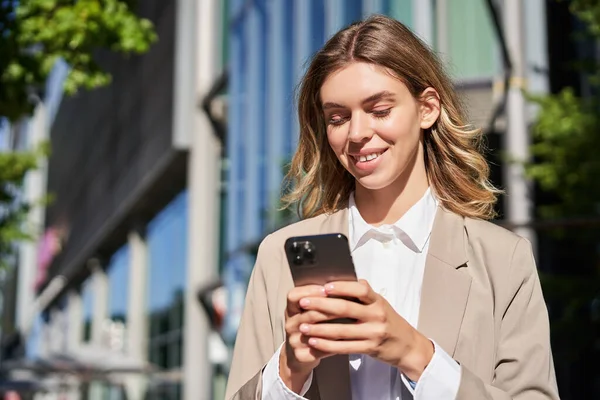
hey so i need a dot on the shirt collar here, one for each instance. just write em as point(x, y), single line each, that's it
point(413, 229)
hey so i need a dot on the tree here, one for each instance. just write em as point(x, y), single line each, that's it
point(567, 135)
point(567, 138)
point(13, 167)
point(34, 34)
point(566, 167)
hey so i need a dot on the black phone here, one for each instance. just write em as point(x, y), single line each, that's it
point(320, 259)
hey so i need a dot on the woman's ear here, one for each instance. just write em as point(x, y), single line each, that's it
point(429, 109)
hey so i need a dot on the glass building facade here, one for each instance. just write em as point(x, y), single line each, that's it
point(472, 52)
point(167, 241)
point(166, 244)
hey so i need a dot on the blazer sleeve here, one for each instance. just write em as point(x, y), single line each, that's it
point(524, 367)
point(254, 342)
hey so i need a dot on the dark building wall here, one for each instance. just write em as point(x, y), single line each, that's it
point(109, 146)
point(562, 46)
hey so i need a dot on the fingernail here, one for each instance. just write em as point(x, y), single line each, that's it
point(304, 302)
point(304, 328)
point(329, 286)
point(312, 341)
point(323, 290)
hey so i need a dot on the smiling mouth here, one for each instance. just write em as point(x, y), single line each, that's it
point(367, 157)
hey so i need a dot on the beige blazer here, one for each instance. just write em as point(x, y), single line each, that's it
point(481, 302)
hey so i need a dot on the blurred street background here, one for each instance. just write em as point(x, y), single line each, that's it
point(143, 145)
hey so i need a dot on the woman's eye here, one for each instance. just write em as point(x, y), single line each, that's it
point(336, 120)
point(381, 113)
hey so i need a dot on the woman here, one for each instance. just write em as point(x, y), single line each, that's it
point(451, 305)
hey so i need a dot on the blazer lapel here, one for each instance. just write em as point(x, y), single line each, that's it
point(333, 371)
point(445, 288)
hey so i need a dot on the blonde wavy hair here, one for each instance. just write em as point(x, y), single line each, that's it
point(317, 182)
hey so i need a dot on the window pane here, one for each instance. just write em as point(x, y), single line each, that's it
point(402, 10)
point(317, 30)
point(165, 325)
point(175, 352)
point(167, 253)
point(88, 304)
point(118, 281)
point(471, 41)
point(353, 11)
point(163, 356)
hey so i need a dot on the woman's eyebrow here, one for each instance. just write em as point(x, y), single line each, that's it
point(330, 105)
point(384, 94)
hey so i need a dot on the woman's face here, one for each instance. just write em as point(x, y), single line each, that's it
point(374, 124)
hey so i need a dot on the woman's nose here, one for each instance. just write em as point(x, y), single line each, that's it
point(359, 127)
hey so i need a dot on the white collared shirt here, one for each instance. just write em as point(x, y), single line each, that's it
point(392, 259)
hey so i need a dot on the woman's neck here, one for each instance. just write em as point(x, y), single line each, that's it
point(389, 204)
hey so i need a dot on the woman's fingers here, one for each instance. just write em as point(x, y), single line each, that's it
point(308, 317)
point(360, 290)
point(302, 351)
point(341, 346)
point(355, 331)
point(336, 308)
point(300, 292)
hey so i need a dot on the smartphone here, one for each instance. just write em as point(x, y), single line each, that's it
point(320, 259)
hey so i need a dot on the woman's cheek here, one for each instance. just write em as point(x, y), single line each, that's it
point(337, 144)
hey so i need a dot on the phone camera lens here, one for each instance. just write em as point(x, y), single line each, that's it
point(295, 248)
point(298, 259)
point(309, 251)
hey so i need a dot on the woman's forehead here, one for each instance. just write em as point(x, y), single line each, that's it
point(359, 81)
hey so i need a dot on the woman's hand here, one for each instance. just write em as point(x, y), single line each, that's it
point(298, 359)
point(379, 331)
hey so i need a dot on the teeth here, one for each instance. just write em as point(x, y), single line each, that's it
point(368, 157)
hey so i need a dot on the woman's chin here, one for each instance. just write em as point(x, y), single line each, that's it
point(374, 182)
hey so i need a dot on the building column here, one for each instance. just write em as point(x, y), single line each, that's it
point(371, 7)
point(58, 333)
point(423, 20)
point(334, 21)
point(75, 318)
point(137, 315)
point(200, 18)
point(442, 35)
point(34, 190)
point(519, 199)
point(100, 294)
point(74, 337)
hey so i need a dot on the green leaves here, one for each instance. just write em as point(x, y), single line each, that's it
point(588, 11)
point(566, 140)
point(566, 136)
point(13, 209)
point(35, 33)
